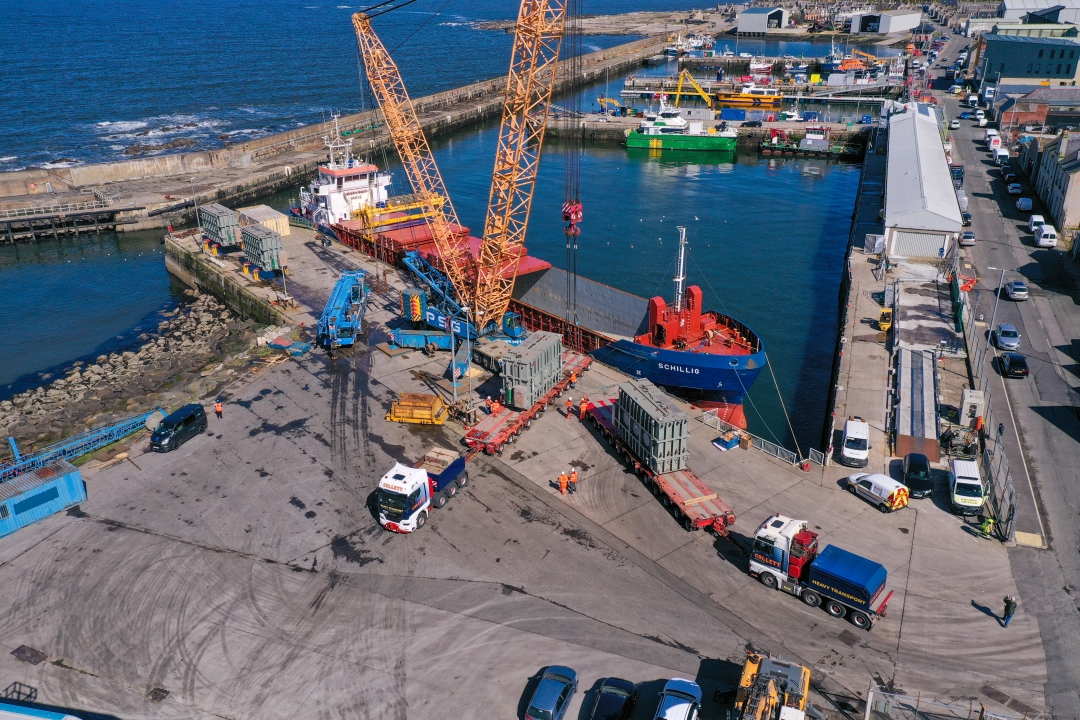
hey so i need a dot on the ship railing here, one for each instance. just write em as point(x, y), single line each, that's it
point(712, 419)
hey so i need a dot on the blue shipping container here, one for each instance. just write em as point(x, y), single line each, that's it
point(7, 710)
point(28, 498)
point(734, 114)
point(848, 577)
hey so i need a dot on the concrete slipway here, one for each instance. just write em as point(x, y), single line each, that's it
point(246, 575)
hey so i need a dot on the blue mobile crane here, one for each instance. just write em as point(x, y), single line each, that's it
point(342, 318)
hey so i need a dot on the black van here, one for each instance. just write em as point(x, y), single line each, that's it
point(178, 428)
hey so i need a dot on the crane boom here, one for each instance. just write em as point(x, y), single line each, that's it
point(415, 155)
point(537, 38)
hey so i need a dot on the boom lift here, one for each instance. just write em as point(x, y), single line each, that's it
point(686, 76)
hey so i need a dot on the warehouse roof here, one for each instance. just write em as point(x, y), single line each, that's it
point(1057, 40)
point(759, 11)
point(1054, 95)
point(919, 193)
point(900, 13)
point(1039, 4)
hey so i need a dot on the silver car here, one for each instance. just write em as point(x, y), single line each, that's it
point(1006, 337)
point(1016, 290)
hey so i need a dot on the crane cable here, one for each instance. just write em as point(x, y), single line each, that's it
point(572, 151)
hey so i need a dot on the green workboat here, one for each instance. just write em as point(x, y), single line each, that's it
point(668, 130)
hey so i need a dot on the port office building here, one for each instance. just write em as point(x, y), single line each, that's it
point(922, 215)
point(759, 21)
point(1014, 63)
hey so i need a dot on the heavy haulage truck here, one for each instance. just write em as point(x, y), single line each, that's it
point(785, 557)
point(652, 434)
point(407, 494)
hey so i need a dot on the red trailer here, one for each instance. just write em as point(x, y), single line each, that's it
point(502, 427)
point(690, 501)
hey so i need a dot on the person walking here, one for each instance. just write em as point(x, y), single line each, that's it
point(573, 481)
point(217, 408)
point(569, 408)
point(584, 406)
point(563, 482)
point(1010, 610)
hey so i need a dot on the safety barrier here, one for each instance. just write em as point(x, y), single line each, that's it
point(712, 419)
point(54, 209)
point(74, 446)
point(881, 704)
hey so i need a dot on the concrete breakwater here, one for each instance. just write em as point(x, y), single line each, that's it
point(170, 368)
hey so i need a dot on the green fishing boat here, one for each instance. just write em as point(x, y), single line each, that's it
point(667, 130)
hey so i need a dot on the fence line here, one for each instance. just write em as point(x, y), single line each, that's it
point(54, 209)
point(712, 418)
point(904, 707)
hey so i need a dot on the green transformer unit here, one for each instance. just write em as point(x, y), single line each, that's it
point(262, 247)
point(656, 430)
point(531, 370)
point(220, 224)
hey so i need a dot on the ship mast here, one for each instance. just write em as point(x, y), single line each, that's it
point(337, 144)
point(680, 271)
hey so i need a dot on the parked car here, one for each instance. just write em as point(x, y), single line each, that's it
point(954, 125)
point(1016, 290)
point(966, 116)
point(879, 490)
point(1013, 365)
point(1023, 204)
point(967, 239)
point(1009, 177)
point(178, 428)
point(1015, 189)
point(615, 700)
point(1006, 337)
point(751, 123)
point(552, 695)
point(979, 114)
point(917, 475)
point(679, 700)
point(965, 219)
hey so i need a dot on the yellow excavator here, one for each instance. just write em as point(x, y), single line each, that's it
point(773, 689)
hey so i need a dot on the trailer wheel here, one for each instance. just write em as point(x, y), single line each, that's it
point(860, 620)
point(463, 480)
point(655, 487)
point(811, 598)
point(510, 439)
point(421, 520)
point(558, 393)
point(665, 501)
point(528, 423)
point(438, 499)
point(689, 524)
point(768, 580)
point(451, 490)
point(835, 609)
point(498, 449)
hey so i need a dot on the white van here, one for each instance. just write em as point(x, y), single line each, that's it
point(855, 445)
point(1046, 236)
point(990, 132)
point(1035, 221)
point(966, 491)
point(1001, 156)
point(879, 490)
point(973, 101)
point(993, 142)
point(1023, 204)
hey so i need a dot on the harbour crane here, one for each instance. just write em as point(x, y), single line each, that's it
point(484, 284)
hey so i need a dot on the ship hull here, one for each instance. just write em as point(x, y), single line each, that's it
point(714, 143)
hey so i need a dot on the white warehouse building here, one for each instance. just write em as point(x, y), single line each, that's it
point(759, 21)
point(885, 23)
point(922, 215)
point(1065, 11)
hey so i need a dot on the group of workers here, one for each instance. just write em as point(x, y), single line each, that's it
point(568, 483)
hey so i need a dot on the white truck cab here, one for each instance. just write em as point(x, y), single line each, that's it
point(407, 494)
point(855, 444)
point(966, 490)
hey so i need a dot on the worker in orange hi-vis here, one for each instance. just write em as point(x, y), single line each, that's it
point(563, 482)
point(584, 406)
point(217, 408)
point(573, 481)
point(573, 379)
point(495, 407)
point(487, 404)
point(569, 408)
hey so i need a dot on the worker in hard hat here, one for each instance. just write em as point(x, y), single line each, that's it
point(573, 379)
point(564, 482)
point(584, 406)
point(573, 480)
point(487, 404)
point(495, 406)
point(569, 407)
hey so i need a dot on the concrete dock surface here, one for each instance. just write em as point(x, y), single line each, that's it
point(246, 574)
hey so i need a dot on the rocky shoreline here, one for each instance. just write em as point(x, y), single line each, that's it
point(193, 353)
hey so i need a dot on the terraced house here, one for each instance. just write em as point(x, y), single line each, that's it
point(1057, 182)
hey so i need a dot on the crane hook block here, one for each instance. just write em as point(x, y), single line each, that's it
point(572, 211)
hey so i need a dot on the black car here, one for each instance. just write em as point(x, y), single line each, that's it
point(917, 476)
point(751, 123)
point(1009, 178)
point(615, 700)
point(965, 219)
point(178, 428)
point(1013, 365)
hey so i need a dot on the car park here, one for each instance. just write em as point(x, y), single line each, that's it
point(965, 219)
point(552, 695)
point(954, 125)
point(178, 428)
point(1013, 365)
point(1016, 290)
point(967, 239)
point(1006, 337)
point(879, 490)
point(679, 700)
point(918, 477)
point(1015, 189)
point(615, 700)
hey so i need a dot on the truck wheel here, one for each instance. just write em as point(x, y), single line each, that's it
point(835, 609)
point(421, 520)
point(689, 524)
point(811, 598)
point(463, 480)
point(438, 499)
point(451, 489)
point(769, 580)
point(883, 507)
point(860, 620)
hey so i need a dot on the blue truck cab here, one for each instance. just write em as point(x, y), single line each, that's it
point(785, 557)
point(407, 494)
point(342, 319)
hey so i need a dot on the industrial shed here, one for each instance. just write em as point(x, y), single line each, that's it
point(885, 23)
point(922, 215)
point(759, 21)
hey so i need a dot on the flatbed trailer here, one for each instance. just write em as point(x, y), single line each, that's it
point(502, 428)
point(691, 502)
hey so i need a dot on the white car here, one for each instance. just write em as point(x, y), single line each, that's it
point(1016, 290)
point(954, 125)
point(1015, 189)
point(679, 700)
point(979, 114)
